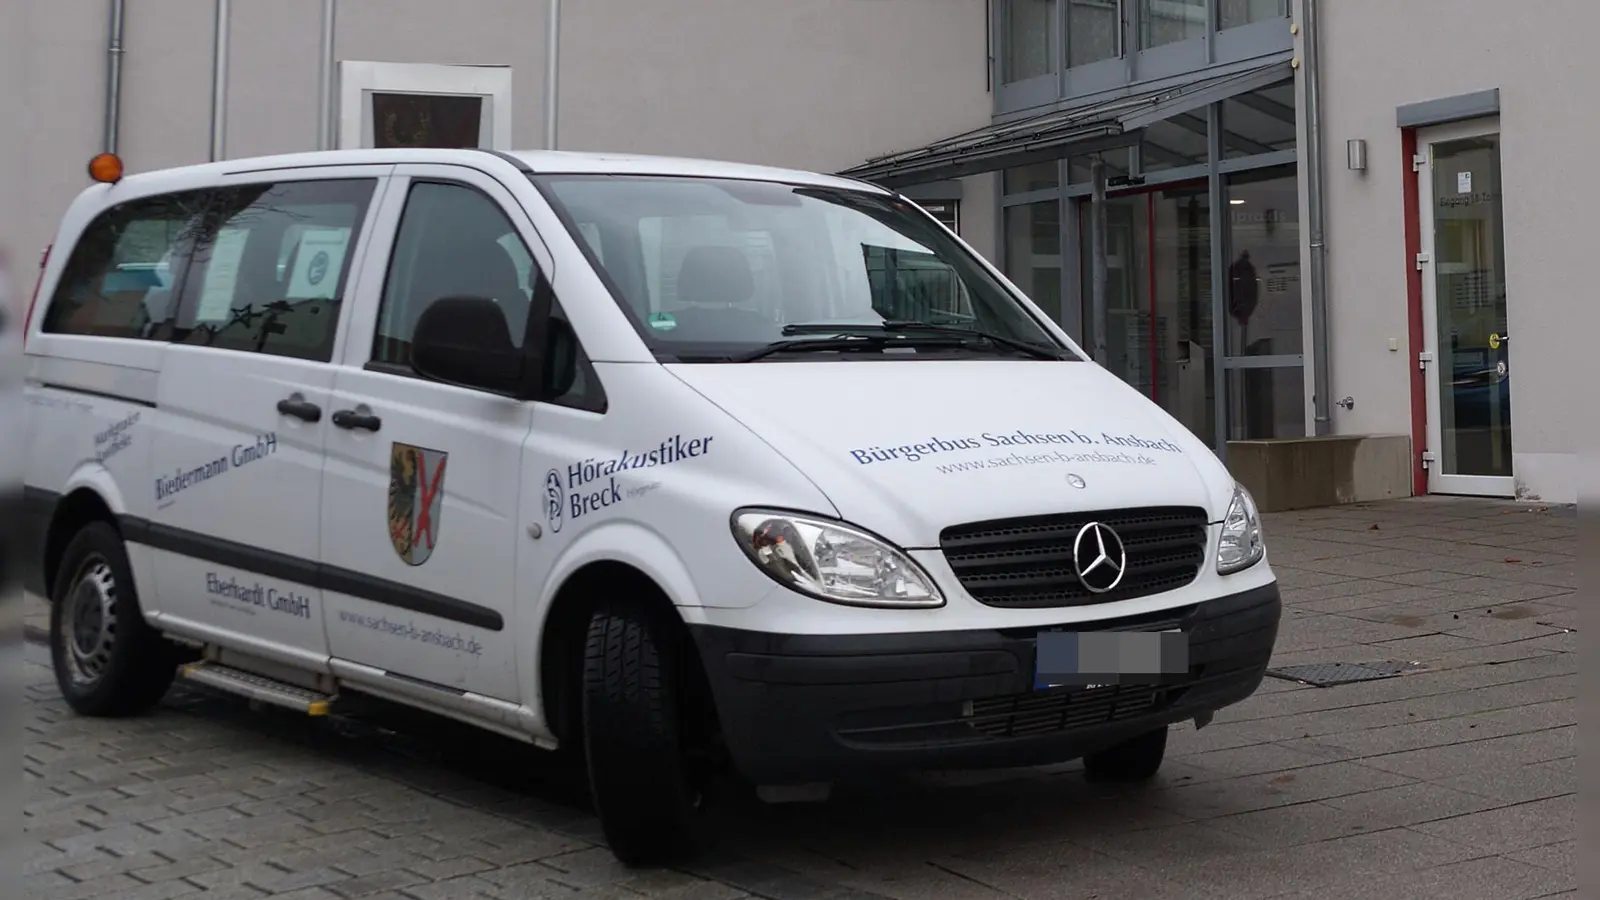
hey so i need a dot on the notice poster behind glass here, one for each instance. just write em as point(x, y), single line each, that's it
point(442, 121)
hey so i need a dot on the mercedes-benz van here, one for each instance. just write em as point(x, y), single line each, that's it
point(680, 468)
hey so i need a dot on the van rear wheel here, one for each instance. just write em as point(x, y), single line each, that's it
point(640, 775)
point(108, 661)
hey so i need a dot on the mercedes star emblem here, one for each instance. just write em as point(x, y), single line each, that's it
point(1099, 557)
point(1077, 481)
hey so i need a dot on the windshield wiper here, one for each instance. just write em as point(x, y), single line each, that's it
point(843, 340)
point(901, 326)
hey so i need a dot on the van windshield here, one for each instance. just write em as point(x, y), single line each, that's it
point(718, 270)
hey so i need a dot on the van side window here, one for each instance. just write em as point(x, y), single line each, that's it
point(455, 241)
point(120, 278)
point(270, 268)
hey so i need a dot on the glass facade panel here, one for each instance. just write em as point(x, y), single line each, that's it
point(1165, 22)
point(1266, 403)
point(1029, 51)
point(1037, 177)
point(1033, 253)
point(1233, 13)
point(1158, 298)
point(1259, 122)
point(1093, 30)
point(1263, 278)
point(1078, 166)
point(1174, 143)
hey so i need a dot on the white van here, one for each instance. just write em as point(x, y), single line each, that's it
point(684, 467)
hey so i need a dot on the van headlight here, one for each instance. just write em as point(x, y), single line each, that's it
point(1241, 545)
point(832, 561)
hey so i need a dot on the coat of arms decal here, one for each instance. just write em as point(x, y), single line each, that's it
point(416, 500)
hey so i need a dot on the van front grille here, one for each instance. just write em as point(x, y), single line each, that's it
point(1026, 563)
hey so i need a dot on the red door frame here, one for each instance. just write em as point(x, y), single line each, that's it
point(1412, 185)
point(1149, 192)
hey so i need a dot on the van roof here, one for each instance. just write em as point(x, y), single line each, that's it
point(536, 160)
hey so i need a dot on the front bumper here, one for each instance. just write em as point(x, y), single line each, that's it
point(804, 708)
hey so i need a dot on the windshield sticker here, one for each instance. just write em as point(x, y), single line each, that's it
point(168, 486)
point(663, 321)
point(115, 438)
point(230, 593)
point(590, 486)
point(937, 446)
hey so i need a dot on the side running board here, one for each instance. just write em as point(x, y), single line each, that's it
point(257, 687)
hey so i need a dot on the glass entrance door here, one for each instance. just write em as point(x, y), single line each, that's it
point(1464, 312)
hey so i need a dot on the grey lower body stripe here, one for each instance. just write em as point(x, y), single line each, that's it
point(272, 564)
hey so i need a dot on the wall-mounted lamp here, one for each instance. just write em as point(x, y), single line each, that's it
point(1355, 154)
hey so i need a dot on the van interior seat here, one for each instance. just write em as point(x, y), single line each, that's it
point(713, 284)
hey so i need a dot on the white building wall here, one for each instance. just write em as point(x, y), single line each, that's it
point(815, 84)
point(1381, 54)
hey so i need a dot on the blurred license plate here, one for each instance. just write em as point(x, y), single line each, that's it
point(1100, 658)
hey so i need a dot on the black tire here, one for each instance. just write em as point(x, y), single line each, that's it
point(639, 777)
point(108, 661)
point(1134, 760)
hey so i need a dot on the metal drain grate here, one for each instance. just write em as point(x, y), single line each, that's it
point(1330, 674)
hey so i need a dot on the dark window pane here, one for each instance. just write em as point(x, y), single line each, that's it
point(1266, 403)
point(1169, 21)
point(1234, 13)
point(1033, 253)
point(1028, 51)
point(1037, 177)
point(948, 212)
point(269, 271)
point(448, 121)
point(453, 242)
point(1264, 270)
point(119, 279)
point(457, 242)
point(1092, 30)
point(1259, 122)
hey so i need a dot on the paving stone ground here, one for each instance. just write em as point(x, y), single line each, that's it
point(1455, 781)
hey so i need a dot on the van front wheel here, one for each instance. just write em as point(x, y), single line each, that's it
point(639, 774)
point(1134, 760)
point(108, 661)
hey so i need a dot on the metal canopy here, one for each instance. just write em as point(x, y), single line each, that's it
point(1106, 125)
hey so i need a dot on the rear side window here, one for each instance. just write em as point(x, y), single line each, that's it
point(270, 267)
point(120, 279)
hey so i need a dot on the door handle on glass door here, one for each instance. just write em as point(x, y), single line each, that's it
point(349, 418)
point(300, 408)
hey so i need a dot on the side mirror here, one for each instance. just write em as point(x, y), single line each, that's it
point(466, 341)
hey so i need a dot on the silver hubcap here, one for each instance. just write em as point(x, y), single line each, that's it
point(89, 621)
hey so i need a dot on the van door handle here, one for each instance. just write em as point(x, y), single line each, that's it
point(301, 409)
point(349, 418)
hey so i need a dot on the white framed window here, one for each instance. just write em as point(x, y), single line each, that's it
point(383, 104)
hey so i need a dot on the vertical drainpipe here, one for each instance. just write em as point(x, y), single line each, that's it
point(113, 125)
point(552, 72)
point(1311, 158)
point(325, 126)
point(219, 84)
point(1097, 257)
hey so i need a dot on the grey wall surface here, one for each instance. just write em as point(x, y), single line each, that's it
point(1379, 55)
point(814, 84)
